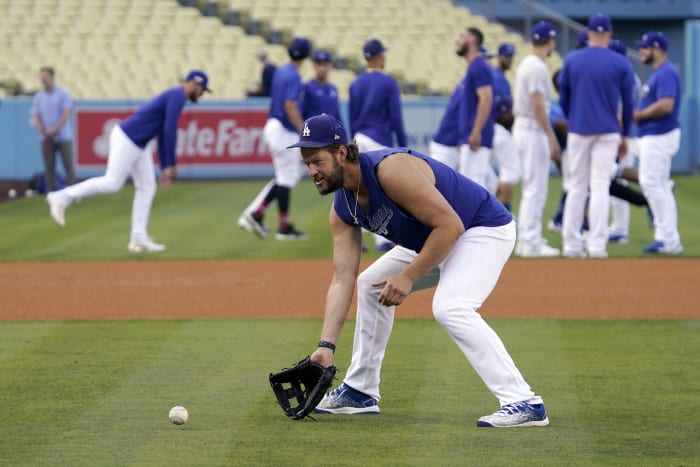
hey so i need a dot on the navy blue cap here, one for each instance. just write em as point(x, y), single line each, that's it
point(506, 49)
point(503, 103)
point(322, 56)
point(618, 46)
point(600, 22)
point(200, 77)
point(320, 131)
point(373, 47)
point(653, 39)
point(299, 48)
point(486, 53)
point(543, 30)
point(582, 38)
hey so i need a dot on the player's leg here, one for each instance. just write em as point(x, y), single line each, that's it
point(509, 171)
point(603, 154)
point(578, 152)
point(620, 208)
point(654, 176)
point(288, 172)
point(48, 152)
point(144, 178)
point(475, 165)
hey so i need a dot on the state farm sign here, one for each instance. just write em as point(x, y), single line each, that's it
point(204, 137)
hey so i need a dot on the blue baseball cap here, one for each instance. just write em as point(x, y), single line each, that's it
point(653, 39)
point(373, 47)
point(618, 46)
point(503, 103)
point(506, 49)
point(543, 30)
point(200, 77)
point(320, 131)
point(582, 38)
point(600, 22)
point(322, 56)
point(299, 48)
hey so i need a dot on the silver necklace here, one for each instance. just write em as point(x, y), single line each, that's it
point(357, 196)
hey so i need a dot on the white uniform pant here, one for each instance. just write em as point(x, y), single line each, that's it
point(476, 165)
point(124, 159)
point(535, 160)
point(619, 208)
point(464, 280)
point(448, 155)
point(655, 154)
point(289, 168)
point(591, 161)
point(506, 155)
point(365, 144)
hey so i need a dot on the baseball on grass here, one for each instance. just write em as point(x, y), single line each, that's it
point(12, 193)
point(178, 415)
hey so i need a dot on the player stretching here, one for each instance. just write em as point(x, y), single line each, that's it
point(131, 154)
point(450, 233)
point(281, 129)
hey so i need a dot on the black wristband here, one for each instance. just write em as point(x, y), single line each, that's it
point(327, 345)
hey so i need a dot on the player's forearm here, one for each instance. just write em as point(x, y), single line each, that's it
point(39, 126)
point(483, 112)
point(293, 114)
point(437, 246)
point(658, 109)
point(338, 302)
point(543, 120)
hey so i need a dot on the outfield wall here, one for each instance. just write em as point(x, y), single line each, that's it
point(216, 139)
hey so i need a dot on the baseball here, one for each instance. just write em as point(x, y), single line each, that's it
point(12, 193)
point(178, 415)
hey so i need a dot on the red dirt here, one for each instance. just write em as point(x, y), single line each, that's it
point(654, 288)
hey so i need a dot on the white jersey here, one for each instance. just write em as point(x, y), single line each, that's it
point(530, 77)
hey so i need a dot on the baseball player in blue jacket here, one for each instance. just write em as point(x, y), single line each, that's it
point(450, 233)
point(444, 146)
point(131, 154)
point(593, 82)
point(659, 140)
point(281, 128)
point(319, 95)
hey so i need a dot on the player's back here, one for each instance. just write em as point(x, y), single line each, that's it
point(286, 86)
point(149, 121)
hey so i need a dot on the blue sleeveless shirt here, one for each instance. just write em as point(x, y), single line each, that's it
point(473, 203)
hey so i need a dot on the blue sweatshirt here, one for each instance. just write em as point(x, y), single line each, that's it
point(158, 117)
point(286, 86)
point(501, 88)
point(478, 75)
point(317, 99)
point(447, 132)
point(592, 84)
point(664, 82)
point(473, 203)
point(374, 108)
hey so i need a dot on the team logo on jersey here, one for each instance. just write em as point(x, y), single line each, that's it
point(306, 131)
point(645, 90)
point(380, 220)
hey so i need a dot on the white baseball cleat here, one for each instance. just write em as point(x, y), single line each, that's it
point(57, 210)
point(539, 250)
point(145, 246)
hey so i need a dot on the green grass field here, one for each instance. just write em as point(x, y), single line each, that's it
point(98, 393)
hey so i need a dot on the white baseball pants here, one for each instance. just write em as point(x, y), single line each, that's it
point(124, 159)
point(619, 208)
point(464, 280)
point(506, 155)
point(289, 168)
point(448, 155)
point(535, 161)
point(476, 165)
point(591, 161)
point(655, 154)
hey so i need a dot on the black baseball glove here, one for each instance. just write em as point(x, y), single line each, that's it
point(307, 382)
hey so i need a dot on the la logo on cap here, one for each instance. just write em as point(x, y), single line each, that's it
point(337, 137)
point(306, 131)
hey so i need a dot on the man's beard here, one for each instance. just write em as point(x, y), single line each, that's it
point(333, 181)
point(463, 50)
point(649, 59)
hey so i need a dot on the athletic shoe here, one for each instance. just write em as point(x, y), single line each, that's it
point(345, 400)
point(618, 238)
point(574, 254)
point(145, 246)
point(539, 250)
point(554, 226)
point(290, 233)
point(518, 414)
point(660, 247)
point(57, 210)
point(253, 224)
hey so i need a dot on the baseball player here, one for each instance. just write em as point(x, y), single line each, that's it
point(374, 110)
point(444, 144)
point(592, 83)
point(131, 154)
point(450, 233)
point(280, 131)
point(659, 140)
point(318, 95)
point(475, 110)
point(535, 141)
